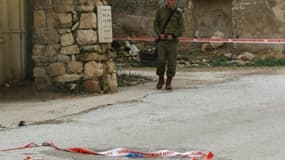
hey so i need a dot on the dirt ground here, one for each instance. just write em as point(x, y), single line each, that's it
point(24, 91)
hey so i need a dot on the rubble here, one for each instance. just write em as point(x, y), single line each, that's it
point(206, 57)
point(246, 56)
point(217, 35)
point(205, 47)
point(228, 55)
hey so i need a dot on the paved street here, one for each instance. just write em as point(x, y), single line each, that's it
point(237, 119)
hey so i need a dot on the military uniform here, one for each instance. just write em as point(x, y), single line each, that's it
point(167, 49)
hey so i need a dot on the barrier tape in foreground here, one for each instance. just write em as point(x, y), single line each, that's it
point(121, 152)
point(209, 40)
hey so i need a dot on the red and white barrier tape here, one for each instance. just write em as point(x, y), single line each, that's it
point(121, 152)
point(210, 40)
point(30, 145)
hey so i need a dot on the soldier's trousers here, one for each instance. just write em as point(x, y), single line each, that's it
point(167, 57)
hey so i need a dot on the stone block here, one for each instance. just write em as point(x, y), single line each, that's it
point(51, 50)
point(52, 36)
point(93, 70)
point(39, 72)
point(93, 57)
point(110, 67)
point(86, 5)
point(105, 2)
point(51, 20)
point(88, 21)
point(74, 67)
point(70, 50)
point(67, 78)
point(45, 36)
point(105, 47)
point(42, 5)
point(66, 39)
point(41, 60)
point(65, 20)
point(63, 58)
point(112, 82)
point(56, 69)
point(64, 31)
point(86, 37)
point(99, 3)
point(73, 58)
point(92, 86)
point(40, 36)
point(91, 48)
point(40, 20)
point(63, 5)
point(39, 49)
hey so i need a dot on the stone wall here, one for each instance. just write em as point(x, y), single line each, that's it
point(259, 19)
point(217, 16)
point(66, 52)
point(235, 18)
point(135, 17)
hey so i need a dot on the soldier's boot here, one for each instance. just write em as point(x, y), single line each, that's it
point(168, 83)
point(160, 82)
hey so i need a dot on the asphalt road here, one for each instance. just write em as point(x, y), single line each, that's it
point(238, 119)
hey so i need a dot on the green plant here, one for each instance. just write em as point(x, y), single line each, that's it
point(222, 61)
point(270, 62)
point(103, 84)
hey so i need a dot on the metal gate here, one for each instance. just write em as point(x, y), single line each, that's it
point(12, 40)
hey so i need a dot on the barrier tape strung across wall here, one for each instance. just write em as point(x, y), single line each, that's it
point(210, 40)
point(121, 152)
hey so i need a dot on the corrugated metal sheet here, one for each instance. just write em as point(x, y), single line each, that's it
point(12, 33)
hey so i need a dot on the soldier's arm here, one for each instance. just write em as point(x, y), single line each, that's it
point(156, 24)
point(181, 26)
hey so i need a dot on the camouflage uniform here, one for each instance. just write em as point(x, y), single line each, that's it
point(167, 49)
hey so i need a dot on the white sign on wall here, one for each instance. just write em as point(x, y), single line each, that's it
point(105, 31)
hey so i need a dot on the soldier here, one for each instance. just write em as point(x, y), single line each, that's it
point(168, 26)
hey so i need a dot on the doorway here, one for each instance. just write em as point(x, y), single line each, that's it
point(15, 39)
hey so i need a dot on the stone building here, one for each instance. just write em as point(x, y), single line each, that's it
point(65, 50)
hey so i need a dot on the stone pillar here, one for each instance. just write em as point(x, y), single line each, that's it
point(66, 51)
